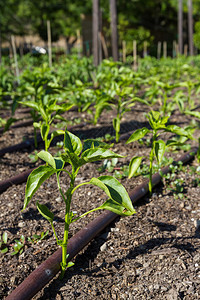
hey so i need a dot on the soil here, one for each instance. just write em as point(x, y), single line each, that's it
point(154, 254)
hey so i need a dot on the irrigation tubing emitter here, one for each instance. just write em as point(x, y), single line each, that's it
point(49, 268)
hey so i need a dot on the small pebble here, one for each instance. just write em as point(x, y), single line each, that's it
point(21, 224)
point(103, 247)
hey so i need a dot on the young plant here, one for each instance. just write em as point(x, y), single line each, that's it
point(49, 111)
point(4, 242)
point(120, 98)
point(158, 147)
point(18, 247)
point(77, 155)
point(36, 237)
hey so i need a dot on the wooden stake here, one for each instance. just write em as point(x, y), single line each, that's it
point(165, 49)
point(78, 42)
point(15, 57)
point(95, 30)
point(180, 25)
point(174, 49)
point(186, 50)
point(114, 31)
point(103, 42)
point(145, 49)
point(190, 27)
point(99, 40)
point(135, 55)
point(177, 50)
point(49, 42)
point(159, 50)
point(124, 51)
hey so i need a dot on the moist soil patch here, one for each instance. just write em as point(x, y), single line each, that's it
point(154, 254)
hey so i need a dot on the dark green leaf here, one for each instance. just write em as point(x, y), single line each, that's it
point(72, 143)
point(45, 212)
point(35, 179)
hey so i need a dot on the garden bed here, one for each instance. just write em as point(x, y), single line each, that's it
point(153, 254)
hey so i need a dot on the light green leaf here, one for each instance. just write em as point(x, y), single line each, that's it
point(114, 190)
point(178, 130)
point(44, 131)
point(45, 212)
point(32, 105)
point(159, 149)
point(70, 264)
point(95, 154)
point(116, 124)
point(195, 114)
point(47, 157)
point(5, 237)
point(116, 208)
point(72, 143)
point(138, 134)
point(134, 165)
point(35, 179)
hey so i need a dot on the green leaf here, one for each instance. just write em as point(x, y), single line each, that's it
point(9, 122)
point(138, 134)
point(47, 157)
point(72, 143)
point(44, 131)
point(92, 143)
point(45, 212)
point(115, 191)
point(5, 237)
point(37, 125)
point(4, 250)
point(134, 165)
point(72, 159)
point(178, 130)
point(70, 264)
point(195, 114)
point(59, 163)
point(116, 124)
point(35, 179)
point(159, 149)
point(92, 155)
point(32, 105)
point(116, 208)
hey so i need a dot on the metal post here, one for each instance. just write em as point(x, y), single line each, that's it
point(190, 28)
point(114, 31)
point(180, 26)
point(95, 30)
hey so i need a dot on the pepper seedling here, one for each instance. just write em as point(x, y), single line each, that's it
point(158, 147)
point(77, 155)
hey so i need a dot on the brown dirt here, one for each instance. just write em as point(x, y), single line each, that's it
point(155, 254)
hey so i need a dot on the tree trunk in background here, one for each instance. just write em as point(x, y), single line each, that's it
point(95, 32)
point(180, 26)
point(190, 28)
point(114, 31)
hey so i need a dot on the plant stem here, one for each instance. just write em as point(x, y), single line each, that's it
point(151, 157)
point(67, 223)
point(35, 138)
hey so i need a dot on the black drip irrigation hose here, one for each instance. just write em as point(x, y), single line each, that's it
point(49, 268)
point(29, 143)
point(21, 178)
